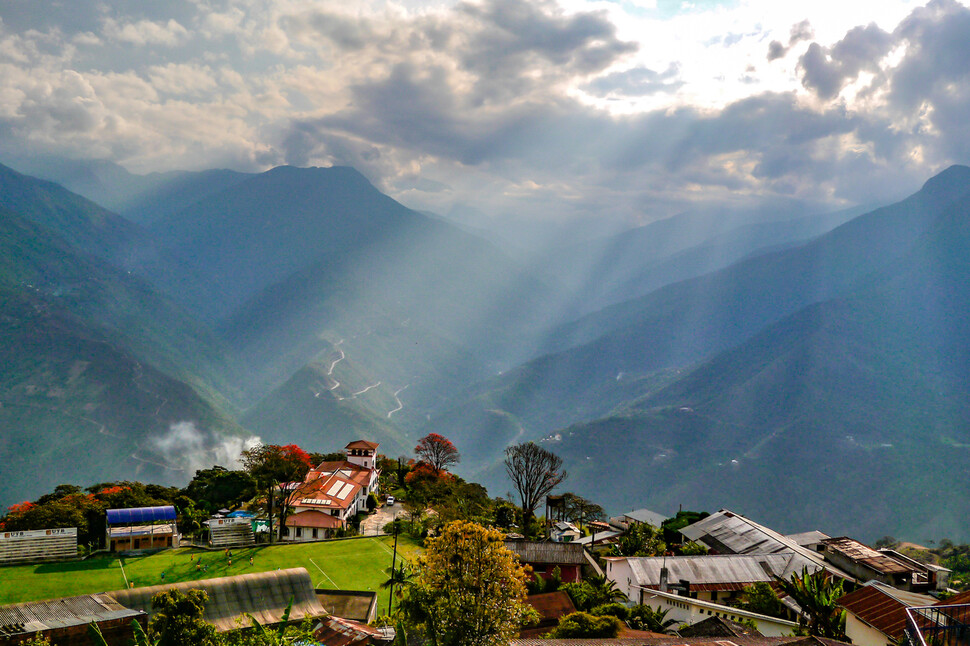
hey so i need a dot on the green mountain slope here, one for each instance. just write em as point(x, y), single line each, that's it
point(79, 343)
point(851, 414)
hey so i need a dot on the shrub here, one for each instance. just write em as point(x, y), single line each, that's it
point(614, 609)
point(581, 624)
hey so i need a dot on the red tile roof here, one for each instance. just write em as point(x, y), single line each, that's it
point(882, 607)
point(313, 518)
point(345, 632)
point(363, 444)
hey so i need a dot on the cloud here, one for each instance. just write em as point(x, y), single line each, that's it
point(827, 70)
point(186, 447)
point(145, 32)
point(799, 32)
point(638, 81)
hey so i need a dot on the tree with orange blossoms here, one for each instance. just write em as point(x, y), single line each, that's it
point(275, 468)
point(438, 451)
point(469, 589)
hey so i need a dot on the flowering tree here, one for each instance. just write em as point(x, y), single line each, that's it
point(438, 451)
point(469, 589)
point(275, 469)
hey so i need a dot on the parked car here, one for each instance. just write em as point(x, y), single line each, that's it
point(390, 500)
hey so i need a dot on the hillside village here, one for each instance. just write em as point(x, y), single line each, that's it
point(635, 578)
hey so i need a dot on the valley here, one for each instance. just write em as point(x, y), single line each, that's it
point(758, 362)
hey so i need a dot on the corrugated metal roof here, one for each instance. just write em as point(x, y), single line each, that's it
point(344, 632)
point(555, 553)
point(264, 595)
point(883, 607)
point(731, 533)
point(716, 572)
point(135, 515)
point(646, 516)
point(862, 553)
point(681, 641)
point(60, 613)
point(808, 538)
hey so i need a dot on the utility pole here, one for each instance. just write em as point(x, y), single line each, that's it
point(390, 595)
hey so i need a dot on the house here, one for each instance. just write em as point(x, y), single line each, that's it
point(564, 532)
point(726, 532)
point(335, 631)
point(718, 627)
point(937, 576)
point(66, 620)
point(717, 578)
point(333, 493)
point(691, 611)
point(644, 517)
point(544, 558)
point(141, 528)
point(551, 606)
point(876, 613)
point(867, 564)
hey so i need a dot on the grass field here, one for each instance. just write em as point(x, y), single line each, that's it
point(355, 564)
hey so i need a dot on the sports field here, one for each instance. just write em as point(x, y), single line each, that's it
point(353, 564)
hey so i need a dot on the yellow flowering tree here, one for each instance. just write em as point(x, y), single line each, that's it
point(469, 589)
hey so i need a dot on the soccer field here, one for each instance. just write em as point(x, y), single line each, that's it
point(353, 564)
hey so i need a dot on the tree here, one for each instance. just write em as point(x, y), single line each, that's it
point(469, 589)
point(535, 472)
point(639, 540)
point(275, 468)
point(817, 594)
point(177, 619)
point(438, 451)
point(644, 617)
point(218, 487)
point(580, 510)
point(761, 598)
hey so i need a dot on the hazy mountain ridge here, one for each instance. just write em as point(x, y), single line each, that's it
point(74, 337)
point(353, 315)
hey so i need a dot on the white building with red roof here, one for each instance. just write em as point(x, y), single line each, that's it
point(332, 493)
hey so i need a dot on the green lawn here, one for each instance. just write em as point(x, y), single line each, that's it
point(356, 564)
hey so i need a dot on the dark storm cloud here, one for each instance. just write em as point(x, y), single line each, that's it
point(639, 81)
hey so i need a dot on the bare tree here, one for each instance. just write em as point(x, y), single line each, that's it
point(535, 472)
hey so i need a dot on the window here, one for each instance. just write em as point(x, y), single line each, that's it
point(299, 532)
point(314, 532)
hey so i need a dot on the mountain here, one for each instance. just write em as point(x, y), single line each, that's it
point(852, 409)
point(617, 268)
point(82, 398)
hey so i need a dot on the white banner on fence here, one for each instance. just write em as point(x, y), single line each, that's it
point(38, 533)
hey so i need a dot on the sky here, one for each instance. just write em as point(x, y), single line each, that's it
point(616, 111)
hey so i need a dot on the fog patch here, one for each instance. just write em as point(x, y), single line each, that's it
point(189, 449)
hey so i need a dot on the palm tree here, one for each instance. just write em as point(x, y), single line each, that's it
point(604, 590)
point(817, 593)
point(401, 576)
point(646, 618)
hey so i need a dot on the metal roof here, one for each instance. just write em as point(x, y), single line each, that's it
point(883, 607)
point(861, 553)
point(552, 553)
point(716, 572)
point(731, 533)
point(646, 516)
point(136, 515)
point(805, 539)
point(264, 595)
point(34, 616)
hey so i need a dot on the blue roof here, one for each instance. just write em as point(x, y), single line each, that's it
point(140, 515)
point(242, 514)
